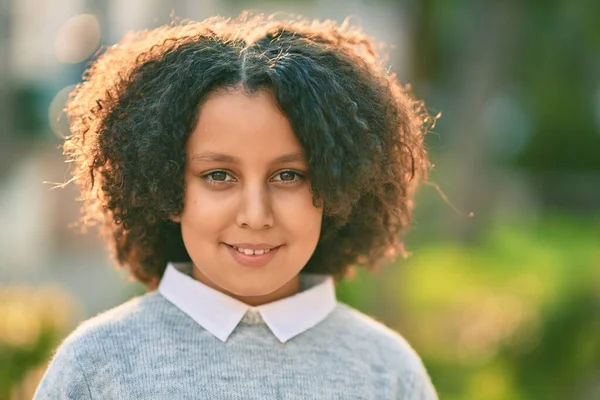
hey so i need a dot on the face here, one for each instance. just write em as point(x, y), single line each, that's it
point(248, 221)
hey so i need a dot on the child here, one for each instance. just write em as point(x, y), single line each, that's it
point(240, 168)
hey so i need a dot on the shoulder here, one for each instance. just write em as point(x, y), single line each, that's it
point(385, 348)
point(131, 317)
point(368, 332)
point(92, 343)
point(115, 330)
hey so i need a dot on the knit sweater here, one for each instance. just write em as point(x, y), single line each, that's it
point(147, 348)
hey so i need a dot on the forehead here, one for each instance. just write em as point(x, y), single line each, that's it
point(244, 126)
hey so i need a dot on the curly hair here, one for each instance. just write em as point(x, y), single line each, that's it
point(361, 131)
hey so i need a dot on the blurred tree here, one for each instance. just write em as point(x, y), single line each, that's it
point(459, 56)
point(517, 83)
point(559, 59)
point(7, 140)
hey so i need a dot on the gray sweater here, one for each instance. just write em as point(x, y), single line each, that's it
point(147, 348)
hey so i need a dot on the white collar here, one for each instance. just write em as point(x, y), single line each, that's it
point(286, 318)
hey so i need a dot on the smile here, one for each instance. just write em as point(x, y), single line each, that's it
point(250, 255)
point(250, 252)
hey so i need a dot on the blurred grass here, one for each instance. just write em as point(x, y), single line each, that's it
point(33, 320)
point(515, 315)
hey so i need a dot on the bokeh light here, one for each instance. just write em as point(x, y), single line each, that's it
point(56, 115)
point(77, 39)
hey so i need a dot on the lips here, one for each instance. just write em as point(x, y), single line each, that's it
point(250, 249)
point(251, 252)
point(252, 246)
point(252, 255)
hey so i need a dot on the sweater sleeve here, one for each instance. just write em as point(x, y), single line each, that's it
point(416, 386)
point(423, 388)
point(64, 379)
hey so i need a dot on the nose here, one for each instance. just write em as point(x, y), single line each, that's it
point(255, 210)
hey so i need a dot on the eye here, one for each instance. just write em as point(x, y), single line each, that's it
point(217, 177)
point(287, 177)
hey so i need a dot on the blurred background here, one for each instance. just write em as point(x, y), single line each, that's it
point(501, 305)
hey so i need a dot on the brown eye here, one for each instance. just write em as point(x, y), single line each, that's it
point(217, 177)
point(288, 177)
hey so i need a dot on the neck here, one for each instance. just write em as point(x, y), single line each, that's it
point(288, 289)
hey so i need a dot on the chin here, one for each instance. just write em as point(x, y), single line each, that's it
point(251, 287)
point(249, 290)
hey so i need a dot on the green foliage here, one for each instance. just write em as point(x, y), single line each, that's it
point(515, 316)
point(32, 323)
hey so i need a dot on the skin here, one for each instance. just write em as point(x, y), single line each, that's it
point(246, 182)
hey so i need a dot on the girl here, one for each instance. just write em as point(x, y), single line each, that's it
point(240, 168)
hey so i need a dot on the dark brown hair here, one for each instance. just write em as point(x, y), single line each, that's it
point(360, 129)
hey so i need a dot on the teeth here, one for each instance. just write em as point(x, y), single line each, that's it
point(250, 252)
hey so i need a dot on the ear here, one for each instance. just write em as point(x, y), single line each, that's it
point(175, 218)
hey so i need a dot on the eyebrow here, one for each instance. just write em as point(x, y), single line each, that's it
point(218, 157)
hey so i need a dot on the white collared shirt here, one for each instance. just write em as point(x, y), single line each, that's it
point(286, 318)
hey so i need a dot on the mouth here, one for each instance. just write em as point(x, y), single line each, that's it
point(252, 255)
point(251, 252)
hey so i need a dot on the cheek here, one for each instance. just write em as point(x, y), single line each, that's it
point(203, 212)
point(296, 214)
